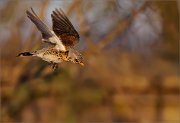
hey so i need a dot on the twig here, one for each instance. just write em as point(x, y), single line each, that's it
point(123, 25)
point(83, 25)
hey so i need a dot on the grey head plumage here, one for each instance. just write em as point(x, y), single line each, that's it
point(75, 57)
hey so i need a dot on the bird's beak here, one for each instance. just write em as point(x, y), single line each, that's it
point(82, 64)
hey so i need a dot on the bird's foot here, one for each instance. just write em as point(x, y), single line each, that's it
point(54, 66)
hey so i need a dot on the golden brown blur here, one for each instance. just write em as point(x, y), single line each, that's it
point(130, 73)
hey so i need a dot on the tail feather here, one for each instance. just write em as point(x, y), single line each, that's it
point(25, 54)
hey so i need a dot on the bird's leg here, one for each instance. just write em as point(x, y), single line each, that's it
point(54, 66)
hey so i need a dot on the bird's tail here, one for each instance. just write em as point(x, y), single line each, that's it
point(25, 54)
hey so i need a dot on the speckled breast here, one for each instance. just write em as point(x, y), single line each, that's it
point(53, 55)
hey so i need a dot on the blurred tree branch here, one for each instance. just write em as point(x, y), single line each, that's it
point(83, 25)
point(72, 7)
point(122, 26)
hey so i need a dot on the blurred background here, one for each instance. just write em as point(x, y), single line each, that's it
point(131, 73)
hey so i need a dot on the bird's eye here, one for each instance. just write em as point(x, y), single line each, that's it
point(76, 60)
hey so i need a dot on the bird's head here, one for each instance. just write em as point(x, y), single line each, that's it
point(79, 60)
point(76, 57)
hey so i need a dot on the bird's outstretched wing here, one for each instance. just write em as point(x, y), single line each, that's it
point(64, 29)
point(47, 34)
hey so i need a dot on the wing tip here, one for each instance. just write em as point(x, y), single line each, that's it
point(30, 9)
point(31, 13)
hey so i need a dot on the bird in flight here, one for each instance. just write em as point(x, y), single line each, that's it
point(61, 39)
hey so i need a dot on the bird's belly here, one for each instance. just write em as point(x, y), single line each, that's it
point(51, 58)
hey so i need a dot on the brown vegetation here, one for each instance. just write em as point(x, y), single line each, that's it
point(114, 86)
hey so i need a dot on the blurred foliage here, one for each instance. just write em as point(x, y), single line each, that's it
point(117, 84)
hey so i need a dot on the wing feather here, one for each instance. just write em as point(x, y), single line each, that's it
point(64, 29)
point(46, 33)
